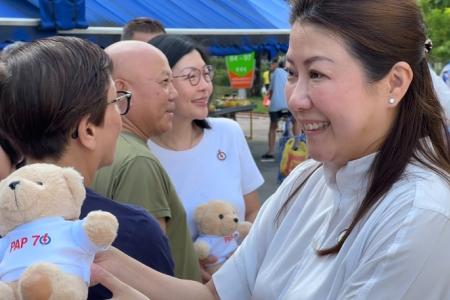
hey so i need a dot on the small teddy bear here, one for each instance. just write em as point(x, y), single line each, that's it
point(45, 250)
point(220, 231)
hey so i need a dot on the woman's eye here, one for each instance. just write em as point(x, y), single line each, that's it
point(292, 76)
point(290, 72)
point(192, 76)
point(315, 75)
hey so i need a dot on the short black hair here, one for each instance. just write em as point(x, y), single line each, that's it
point(46, 87)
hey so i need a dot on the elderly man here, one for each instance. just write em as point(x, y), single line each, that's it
point(136, 176)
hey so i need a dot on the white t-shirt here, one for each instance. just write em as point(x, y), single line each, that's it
point(401, 251)
point(219, 167)
point(220, 246)
point(52, 240)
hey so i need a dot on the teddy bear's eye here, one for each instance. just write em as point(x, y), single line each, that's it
point(221, 216)
point(39, 182)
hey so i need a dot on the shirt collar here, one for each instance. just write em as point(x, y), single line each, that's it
point(350, 179)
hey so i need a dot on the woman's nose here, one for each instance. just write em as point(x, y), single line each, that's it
point(298, 97)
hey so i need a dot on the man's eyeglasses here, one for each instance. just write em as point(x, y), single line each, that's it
point(194, 75)
point(122, 101)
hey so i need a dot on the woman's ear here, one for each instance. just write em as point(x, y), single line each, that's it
point(87, 133)
point(399, 80)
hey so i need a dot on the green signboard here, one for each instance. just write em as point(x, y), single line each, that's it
point(241, 64)
point(241, 69)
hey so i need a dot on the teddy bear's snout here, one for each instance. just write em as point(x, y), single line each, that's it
point(13, 184)
point(236, 220)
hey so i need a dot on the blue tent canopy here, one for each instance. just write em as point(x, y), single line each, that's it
point(234, 26)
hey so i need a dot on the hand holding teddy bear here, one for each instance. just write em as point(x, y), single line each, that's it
point(45, 251)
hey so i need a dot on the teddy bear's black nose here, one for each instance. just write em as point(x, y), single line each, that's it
point(13, 184)
point(236, 220)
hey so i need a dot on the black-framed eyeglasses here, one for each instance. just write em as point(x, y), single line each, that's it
point(194, 75)
point(122, 101)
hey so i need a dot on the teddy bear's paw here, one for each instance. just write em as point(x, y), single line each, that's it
point(35, 282)
point(243, 228)
point(101, 227)
point(202, 249)
point(6, 292)
point(46, 281)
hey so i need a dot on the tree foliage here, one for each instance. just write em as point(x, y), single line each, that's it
point(437, 18)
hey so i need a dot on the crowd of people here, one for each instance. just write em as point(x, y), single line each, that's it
point(367, 217)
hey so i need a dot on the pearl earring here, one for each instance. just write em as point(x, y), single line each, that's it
point(391, 100)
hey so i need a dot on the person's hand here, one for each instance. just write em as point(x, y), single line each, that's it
point(120, 290)
point(106, 258)
point(206, 276)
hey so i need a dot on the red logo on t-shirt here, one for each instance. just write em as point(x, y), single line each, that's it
point(221, 155)
point(38, 239)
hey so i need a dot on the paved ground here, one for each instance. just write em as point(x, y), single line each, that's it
point(258, 146)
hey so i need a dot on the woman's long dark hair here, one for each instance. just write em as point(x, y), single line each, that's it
point(380, 33)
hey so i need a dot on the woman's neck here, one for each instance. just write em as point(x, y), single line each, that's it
point(182, 136)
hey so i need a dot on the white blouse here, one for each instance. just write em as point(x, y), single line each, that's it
point(400, 251)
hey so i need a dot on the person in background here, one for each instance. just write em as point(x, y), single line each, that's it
point(445, 74)
point(441, 89)
point(142, 29)
point(368, 216)
point(75, 123)
point(442, 93)
point(266, 79)
point(10, 157)
point(136, 176)
point(277, 107)
point(206, 158)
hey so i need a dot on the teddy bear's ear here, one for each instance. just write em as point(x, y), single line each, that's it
point(200, 212)
point(75, 183)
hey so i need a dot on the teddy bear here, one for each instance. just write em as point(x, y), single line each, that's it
point(45, 250)
point(220, 231)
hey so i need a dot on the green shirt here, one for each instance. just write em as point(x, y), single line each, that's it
point(137, 177)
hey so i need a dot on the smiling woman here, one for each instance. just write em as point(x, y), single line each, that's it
point(329, 94)
point(368, 216)
point(206, 158)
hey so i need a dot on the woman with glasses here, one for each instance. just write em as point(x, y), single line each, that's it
point(206, 158)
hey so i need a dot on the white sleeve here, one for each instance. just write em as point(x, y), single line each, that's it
point(251, 177)
point(236, 278)
point(406, 259)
